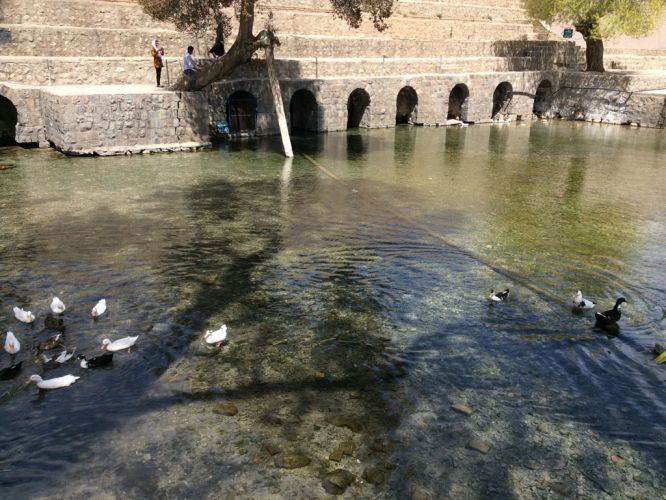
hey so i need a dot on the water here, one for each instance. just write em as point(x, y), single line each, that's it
point(353, 281)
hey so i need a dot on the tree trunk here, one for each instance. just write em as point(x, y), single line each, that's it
point(594, 55)
point(594, 48)
point(242, 50)
point(277, 101)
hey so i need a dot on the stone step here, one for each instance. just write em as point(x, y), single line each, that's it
point(79, 13)
point(413, 10)
point(124, 71)
point(634, 62)
point(309, 68)
point(400, 6)
point(54, 41)
point(84, 70)
point(324, 24)
point(634, 52)
point(294, 46)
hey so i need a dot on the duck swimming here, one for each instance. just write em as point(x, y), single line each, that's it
point(52, 343)
point(46, 361)
point(608, 318)
point(54, 323)
point(53, 383)
point(499, 296)
point(57, 306)
point(99, 309)
point(12, 344)
point(24, 316)
point(97, 361)
point(120, 344)
point(11, 371)
point(580, 303)
point(216, 337)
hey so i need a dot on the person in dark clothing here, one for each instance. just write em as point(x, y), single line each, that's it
point(218, 46)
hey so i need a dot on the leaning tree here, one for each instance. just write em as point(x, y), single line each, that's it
point(597, 20)
point(200, 16)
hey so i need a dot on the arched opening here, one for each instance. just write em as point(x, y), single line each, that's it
point(357, 106)
point(543, 98)
point(304, 112)
point(458, 100)
point(406, 106)
point(241, 112)
point(8, 121)
point(502, 99)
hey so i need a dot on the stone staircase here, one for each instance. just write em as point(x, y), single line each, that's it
point(59, 42)
point(635, 60)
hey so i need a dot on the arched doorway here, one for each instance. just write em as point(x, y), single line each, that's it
point(458, 99)
point(406, 106)
point(502, 99)
point(304, 111)
point(543, 98)
point(8, 121)
point(357, 106)
point(241, 112)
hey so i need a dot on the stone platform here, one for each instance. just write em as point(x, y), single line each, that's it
point(110, 120)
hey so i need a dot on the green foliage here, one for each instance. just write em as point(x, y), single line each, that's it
point(601, 19)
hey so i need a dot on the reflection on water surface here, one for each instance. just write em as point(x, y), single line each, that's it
point(353, 280)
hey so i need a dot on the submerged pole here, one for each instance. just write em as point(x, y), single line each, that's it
point(277, 101)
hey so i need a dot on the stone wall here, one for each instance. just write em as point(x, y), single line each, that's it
point(433, 92)
point(109, 123)
point(30, 122)
point(610, 99)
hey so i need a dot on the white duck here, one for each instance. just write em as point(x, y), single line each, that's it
point(57, 306)
point(12, 345)
point(120, 344)
point(53, 383)
point(99, 308)
point(580, 303)
point(216, 337)
point(25, 316)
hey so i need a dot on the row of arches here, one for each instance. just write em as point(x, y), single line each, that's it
point(304, 109)
point(305, 112)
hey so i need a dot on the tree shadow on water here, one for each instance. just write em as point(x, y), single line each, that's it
point(303, 358)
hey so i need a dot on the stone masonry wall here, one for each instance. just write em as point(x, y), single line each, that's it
point(610, 99)
point(30, 123)
point(433, 93)
point(107, 124)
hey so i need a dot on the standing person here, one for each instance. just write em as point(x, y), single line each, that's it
point(189, 68)
point(157, 52)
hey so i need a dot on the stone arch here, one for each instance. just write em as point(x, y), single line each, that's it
point(543, 98)
point(406, 109)
point(502, 98)
point(241, 112)
point(8, 121)
point(304, 111)
point(357, 109)
point(458, 102)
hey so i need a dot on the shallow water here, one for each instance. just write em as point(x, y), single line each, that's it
point(353, 280)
